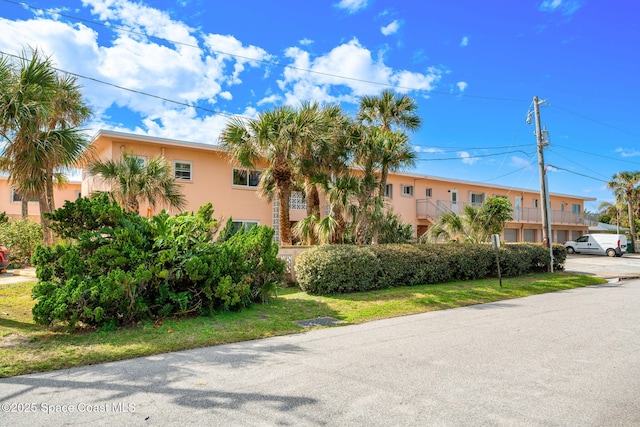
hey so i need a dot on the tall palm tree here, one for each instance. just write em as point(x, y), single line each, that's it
point(272, 136)
point(40, 111)
point(389, 115)
point(132, 181)
point(624, 186)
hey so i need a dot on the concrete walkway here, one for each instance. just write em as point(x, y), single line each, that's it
point(558, 359)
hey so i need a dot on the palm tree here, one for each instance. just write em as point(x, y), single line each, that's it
point(273, 136)
point(40, 111)
point(624, 186)
point(389, 115)
point(133, 181)
point(474, 225)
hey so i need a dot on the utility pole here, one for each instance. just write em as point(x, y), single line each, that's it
point(544, 196)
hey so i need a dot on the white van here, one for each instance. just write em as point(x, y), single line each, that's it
point(600, 244)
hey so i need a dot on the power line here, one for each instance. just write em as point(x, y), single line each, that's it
point(464, 148)
point(135, 90)
point(595, 121)
point(262, 61)
point(577, 164)
point(576, 173)
point(477, 156)
point(597, 154)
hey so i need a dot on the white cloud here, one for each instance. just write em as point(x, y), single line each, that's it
point(626, 152)
point(464, 42)
point(519, 162)
point(566, 7)
point(392, 28)
point(351, 6)
point(462, 86)
point(327, 83)
point(228, 48)
point(466, 158)
point(306, 42)
point(420, 149)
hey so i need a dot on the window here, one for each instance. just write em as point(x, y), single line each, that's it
point(142, 160)
point(535, 203)
point(407, 190)
point(575, 209)
point(246, 178)
point(182, 170)
point(477, 198)
point(237, 225)
point(17, 198)
point(388, 191)
point(428, 192)
point(78, 194)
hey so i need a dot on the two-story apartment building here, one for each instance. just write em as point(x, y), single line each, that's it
point(206, 175)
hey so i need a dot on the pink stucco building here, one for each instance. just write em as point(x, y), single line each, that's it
point(206, 175)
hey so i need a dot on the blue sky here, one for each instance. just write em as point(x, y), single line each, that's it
point(473, 67)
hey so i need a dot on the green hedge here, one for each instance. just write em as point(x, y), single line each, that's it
point(346, 268)
point(121, 268)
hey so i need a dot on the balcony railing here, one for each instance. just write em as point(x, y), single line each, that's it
point(434, 209)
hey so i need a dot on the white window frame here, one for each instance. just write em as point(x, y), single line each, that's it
point(575, 208)
point(388, 191)
point(248, 171)
point(190, 171)
point(535, 203)
point(473, 196)
point(428, 192)
point(407, 190)
point(13, 195)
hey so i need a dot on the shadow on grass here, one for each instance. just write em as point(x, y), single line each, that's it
point(19, 326)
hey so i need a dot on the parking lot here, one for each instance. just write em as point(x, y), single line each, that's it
point(625, 267)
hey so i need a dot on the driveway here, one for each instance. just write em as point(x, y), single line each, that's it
point(564, 358)
point(627, 266)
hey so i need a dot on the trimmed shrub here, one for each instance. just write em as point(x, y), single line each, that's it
point(338, 269)
point(21, 237)
point(345, 268)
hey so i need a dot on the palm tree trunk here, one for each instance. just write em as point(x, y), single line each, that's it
point(313, 207)
point(25, 208)
point(284, 195)
point(632, 225)
point(47, 235)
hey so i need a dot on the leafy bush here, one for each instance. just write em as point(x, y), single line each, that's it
point(21, 237)
point(345, 268)
point(337, 269)
point(122, 268)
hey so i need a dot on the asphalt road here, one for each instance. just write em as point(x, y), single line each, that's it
point(568, 358)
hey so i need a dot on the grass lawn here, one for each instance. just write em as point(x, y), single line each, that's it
point(27, 348)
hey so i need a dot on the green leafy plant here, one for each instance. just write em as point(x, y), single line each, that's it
point(21, 237)
point(122, 268)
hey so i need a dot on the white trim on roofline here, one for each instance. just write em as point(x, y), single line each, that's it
point(155, 140)
point(212, 147)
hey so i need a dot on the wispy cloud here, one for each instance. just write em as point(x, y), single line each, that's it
point(306, 42)
point(464, 42)
point(519, 162)
point(466, 158)
point(626, 152)
point(351, 6)
point(420, 149)
point(392, 28)
point(566, 7)
point(462, 86)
